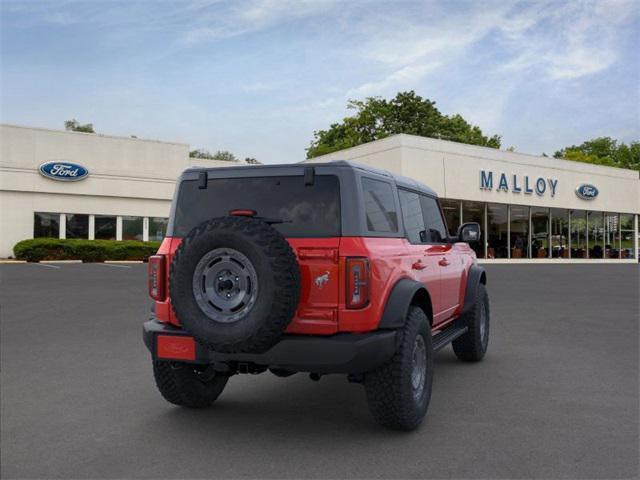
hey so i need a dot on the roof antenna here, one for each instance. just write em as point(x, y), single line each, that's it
point(309, 175)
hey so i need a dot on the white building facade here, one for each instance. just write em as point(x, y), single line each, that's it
point(531, 208)
point(126, 193)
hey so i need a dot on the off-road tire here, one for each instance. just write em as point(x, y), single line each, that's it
point(389, 390)
point(472, 346)
point(278, 284)
point(184, 385)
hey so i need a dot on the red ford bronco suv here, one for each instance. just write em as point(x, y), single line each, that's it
point(319, 268)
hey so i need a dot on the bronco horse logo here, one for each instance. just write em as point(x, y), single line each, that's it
point(322, 279)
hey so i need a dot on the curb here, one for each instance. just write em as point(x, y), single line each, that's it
point(60, 261)
point(124, 261)
point(9, 261)
point(556, 261)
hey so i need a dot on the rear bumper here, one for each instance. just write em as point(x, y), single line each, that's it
point(339, 353)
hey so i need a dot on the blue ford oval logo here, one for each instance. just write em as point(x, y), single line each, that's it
point(64, 171)
point(586, 191)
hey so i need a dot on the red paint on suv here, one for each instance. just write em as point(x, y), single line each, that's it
point(361, 259)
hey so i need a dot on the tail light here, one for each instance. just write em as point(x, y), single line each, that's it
point(156, 277)
point(357, 282)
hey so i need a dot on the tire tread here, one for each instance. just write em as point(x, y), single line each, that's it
point(181, 386)
point(281, 261)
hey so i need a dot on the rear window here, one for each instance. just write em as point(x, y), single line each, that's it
point(307, 210)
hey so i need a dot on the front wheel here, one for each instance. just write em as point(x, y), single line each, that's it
point(188, 385)
point(399, 393)
point(472, 346)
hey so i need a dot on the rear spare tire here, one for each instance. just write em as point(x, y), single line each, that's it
point(234, 284)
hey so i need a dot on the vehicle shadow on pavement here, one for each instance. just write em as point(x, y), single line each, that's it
point(271, 407)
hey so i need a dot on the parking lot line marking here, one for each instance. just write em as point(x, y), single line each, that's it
point(113, 265)
point(47, 265)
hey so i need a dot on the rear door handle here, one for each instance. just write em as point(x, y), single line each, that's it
point(444, 262)
point(418, 265)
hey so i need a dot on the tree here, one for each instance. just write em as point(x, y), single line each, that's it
point(377, 118)
point(604, 151)
point(201, 153)
point(75, 126)
point(222, 155)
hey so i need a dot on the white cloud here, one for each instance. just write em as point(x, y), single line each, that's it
point(405, 77)
point(255, 15)
point(404, 39)
point(564, 41)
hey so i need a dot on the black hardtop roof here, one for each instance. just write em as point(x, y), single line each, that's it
point(399, 179)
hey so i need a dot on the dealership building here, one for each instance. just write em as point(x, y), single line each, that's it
point(121, 190)
point(531, 209)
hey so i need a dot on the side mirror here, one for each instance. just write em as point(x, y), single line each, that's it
point(469, 232)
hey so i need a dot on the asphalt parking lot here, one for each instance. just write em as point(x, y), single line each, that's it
point(556, 397)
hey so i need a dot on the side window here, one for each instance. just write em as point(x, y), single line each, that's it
point(412, 215)
point(436, 233)
point(379, 206)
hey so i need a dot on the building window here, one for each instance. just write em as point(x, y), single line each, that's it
point(519, 235)
point(435, 229)
point(46, 225)
point(380, 206)
point(559, 233)
point(132, 228)
point(157, 228)
point(578, 234)
point(595, 236)
point(539, 232)
point(626, 236)
point(611, 235)
point(412, 216)
point(451, 209)
point(474, 212)
point(497, 231)
point(105, 227)
point(77, 226)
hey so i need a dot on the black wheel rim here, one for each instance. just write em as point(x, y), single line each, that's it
point(225, 285)
point(418, 367)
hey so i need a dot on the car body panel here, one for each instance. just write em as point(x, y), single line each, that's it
point(441, 268)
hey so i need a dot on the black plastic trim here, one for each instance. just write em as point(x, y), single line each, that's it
point(474, 278)
point(339, 353)
point(397, 307)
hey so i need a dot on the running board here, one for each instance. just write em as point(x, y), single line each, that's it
point(447, 336)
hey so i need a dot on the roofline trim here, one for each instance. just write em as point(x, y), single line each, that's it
point(102, 135)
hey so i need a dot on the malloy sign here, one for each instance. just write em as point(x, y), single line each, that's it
point(515, 183)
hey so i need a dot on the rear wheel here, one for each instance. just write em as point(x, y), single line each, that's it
point(187, 385)
point(399, 393)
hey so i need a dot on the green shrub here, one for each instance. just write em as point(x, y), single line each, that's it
point(37, 249)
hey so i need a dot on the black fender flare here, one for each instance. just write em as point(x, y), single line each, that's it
point(404, 293)
point(475, 277)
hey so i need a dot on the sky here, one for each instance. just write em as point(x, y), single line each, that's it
point(258, 77)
